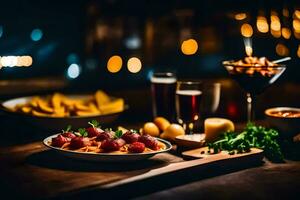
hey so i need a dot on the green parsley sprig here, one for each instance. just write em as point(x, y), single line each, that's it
point(251, 136)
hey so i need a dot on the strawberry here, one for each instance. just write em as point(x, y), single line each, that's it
point(104, 136)
point(59, 140)
point(79, 142)
point(68, 135)
point(110, 145)
point(130, 137)
point(136, 147)
point(149, 141)
point(93, 130)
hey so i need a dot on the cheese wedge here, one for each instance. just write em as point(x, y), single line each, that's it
point(214, 127)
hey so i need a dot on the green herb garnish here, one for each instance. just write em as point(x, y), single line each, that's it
point(94, 123)
point(68, 129)
point(83, 132)
point(251, 136)
point(118, 133)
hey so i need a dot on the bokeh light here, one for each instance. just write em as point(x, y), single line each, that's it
point(298, 51)
point(36, 34)
point(134, 65)
point(16, 61)
point(286, 33)
point(296, 25)
point(240, 16)
point(189, 47)
point(282, 50)
point(73, 71)
point(114, 64)
point(262, 24)
point(297, 14)
point(246, 30)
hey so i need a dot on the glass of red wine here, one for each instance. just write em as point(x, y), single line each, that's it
point(254, 77)
point(163, 87)
point(188, 99)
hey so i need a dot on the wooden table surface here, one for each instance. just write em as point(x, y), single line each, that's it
point(30, 171)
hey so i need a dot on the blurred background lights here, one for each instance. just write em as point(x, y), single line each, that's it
point(73, 71)
point(133, 42)
point(286, 33)
point(296, 25)
point(282, 50)
point(114, 64)
point(246, 30)
point(297, 14)
point(36, 34)
point(16, 61)
point(134, 65)
point(262, 24)
point(189, 47)
point(240, 16)
point(298, 51)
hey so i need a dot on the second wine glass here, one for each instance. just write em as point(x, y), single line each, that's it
point(188, 99)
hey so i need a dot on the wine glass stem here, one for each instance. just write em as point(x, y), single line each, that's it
point(250, 107)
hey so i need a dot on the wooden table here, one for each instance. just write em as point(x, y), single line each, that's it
point(30, 171)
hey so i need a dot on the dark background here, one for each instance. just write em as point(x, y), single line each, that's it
point(88, 32)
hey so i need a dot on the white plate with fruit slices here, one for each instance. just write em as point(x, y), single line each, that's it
point(95, 144)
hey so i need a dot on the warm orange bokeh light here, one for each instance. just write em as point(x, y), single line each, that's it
point(240, 16)
point(262, 24)
point(282, 50)
point(297, 14)
point(189, 47)
point(298, 51)
point(296, 25)
point(114, 64)
point(286, 33)
point(134, 65)
point(246, 30)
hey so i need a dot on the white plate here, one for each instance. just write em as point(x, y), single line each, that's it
point(106, 157)
point(57, 123)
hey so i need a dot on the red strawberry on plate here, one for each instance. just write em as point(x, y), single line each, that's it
point(110, 145)
point(59, 141)
point(136, 147)
point(130, 137)
point(149, 141)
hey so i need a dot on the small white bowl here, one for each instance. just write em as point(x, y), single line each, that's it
point(287, 126)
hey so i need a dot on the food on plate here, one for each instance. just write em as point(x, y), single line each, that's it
point(59, 105)
point(162, 128)
point(59, 141)
point(100, 141)
point(94, 130)
point(255, 61)
point(172, 132)
point(136, 147)
point(286, 113)
point(251, 136)
point(130, 137)
point(151, 129)
point(79, 142)
point(149, 142)
point(162, 123)
point(214, 127)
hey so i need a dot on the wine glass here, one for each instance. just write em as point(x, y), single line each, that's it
point(188, 98)
point(253, 79)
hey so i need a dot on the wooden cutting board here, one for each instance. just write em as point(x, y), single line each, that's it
point(200, 161)
point(254, 153)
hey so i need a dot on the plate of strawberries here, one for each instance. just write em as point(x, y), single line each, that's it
point(97, 144)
